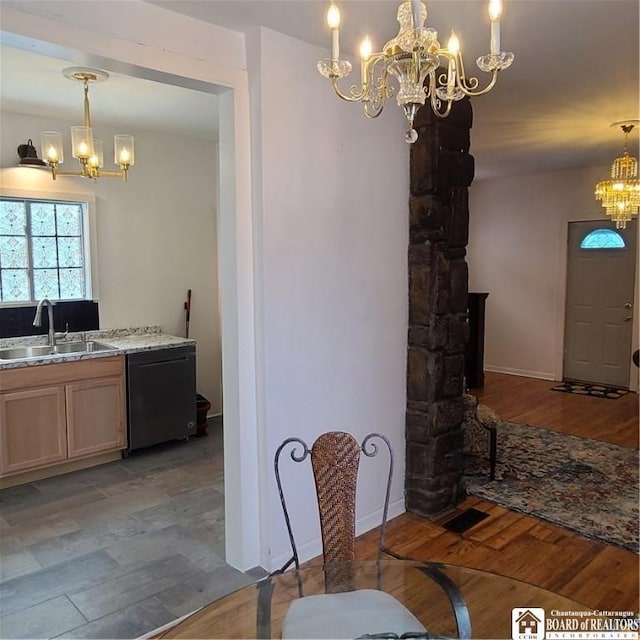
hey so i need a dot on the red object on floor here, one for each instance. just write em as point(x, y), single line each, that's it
point(202, 408)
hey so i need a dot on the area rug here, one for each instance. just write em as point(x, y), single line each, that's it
point(584, 485)
point(595, 390)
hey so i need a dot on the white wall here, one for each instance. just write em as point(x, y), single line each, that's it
point(156, 234)
point(518, 253)
point(331, 207)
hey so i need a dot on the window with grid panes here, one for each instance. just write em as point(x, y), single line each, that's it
point(42, 250)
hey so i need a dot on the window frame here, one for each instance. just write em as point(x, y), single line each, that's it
point(89, 239)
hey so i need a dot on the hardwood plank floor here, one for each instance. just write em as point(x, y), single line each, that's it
point(512, 544)
point(531, 401)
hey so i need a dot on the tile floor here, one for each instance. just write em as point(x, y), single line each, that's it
point(117, 550)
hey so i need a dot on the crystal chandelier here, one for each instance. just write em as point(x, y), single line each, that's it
point(413, 57)
point(620, 196)
point(84, 147)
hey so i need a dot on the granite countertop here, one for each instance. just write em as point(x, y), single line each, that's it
point(120, 341)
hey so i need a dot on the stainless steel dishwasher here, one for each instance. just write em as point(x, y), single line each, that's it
point(161, 396)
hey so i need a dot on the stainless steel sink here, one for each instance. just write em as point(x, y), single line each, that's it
point(40, 351)
point(81, 347)
point(17, 353)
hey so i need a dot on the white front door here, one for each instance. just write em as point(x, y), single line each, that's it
point(600, 301)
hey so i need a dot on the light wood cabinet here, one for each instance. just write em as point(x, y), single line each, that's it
point(33, 428)
point(50, 414)
point(95, 416)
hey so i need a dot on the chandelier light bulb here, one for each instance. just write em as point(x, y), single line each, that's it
point(333, 17)
point(51, 146)
point(366, 48)
point(96, 161)
point(454, 44)
point(495, 9)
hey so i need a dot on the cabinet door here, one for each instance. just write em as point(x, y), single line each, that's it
point(32, 428)
point(95, 416)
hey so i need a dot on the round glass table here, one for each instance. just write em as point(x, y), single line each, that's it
point(449, 601)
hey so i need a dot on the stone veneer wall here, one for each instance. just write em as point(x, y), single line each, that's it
point(441, 172)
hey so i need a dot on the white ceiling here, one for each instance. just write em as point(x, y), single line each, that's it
point(33, 84)
point(576, 71)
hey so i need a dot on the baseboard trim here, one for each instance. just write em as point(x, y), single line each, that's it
point(524, 373)
point(313, 548)
point(374, 519)
point(33, 475)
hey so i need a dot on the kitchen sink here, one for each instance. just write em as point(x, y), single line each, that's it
point(16, 353)
point(40, 351)
point(81, 347)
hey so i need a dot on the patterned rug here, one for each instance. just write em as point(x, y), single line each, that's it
point(595, 390)
point(584, 485)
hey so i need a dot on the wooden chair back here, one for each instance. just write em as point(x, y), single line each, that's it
point(335, 458)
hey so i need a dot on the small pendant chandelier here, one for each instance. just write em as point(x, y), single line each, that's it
point(413, 57)
point(84, 147)
point(620, 196)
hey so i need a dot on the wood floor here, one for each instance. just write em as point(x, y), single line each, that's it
point(531, 401)
point(590, 572)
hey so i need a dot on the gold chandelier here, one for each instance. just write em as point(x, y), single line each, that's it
point(413, 57)
point(85, 148)
point(620, 196)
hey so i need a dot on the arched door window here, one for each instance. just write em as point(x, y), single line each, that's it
point(603, 239)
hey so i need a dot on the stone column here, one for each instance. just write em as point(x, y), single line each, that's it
point(441, 172)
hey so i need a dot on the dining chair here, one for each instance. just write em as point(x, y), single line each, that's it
point(343, 611)
point(335, 457)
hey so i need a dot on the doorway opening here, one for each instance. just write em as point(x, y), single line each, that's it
point(235, 260)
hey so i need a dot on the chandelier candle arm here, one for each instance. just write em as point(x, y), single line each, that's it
point(470, 85)
point(436, 105)
point(357, 97)
point(412, 58)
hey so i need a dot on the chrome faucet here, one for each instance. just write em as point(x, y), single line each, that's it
point(37, 321)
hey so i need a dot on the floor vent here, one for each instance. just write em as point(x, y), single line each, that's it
point(465, 520)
